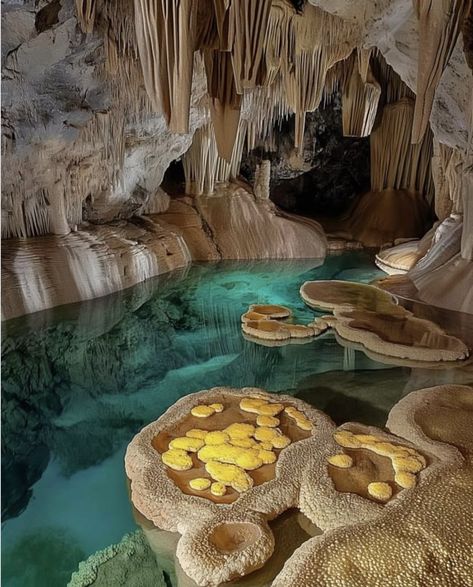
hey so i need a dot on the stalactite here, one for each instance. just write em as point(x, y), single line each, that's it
point(317, 41)
point(165, 32)
point(395, 162)
point(363, 58)
point(439, 27)
point(360, 99)
point(85, 10)
point(225, 103)
point(248, 22)
point(264, 106)
point(203, 167)
point(222, 15)
point(276, 40)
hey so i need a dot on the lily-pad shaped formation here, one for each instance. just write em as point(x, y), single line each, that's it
point(330, 295)
point(265, 324)
point(218, 479)
point(369, 317)
point(421, 536)
point(337, 477)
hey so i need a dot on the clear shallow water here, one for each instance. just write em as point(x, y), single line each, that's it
point(80, 381)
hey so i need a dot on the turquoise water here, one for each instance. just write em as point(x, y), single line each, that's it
point(80, 381)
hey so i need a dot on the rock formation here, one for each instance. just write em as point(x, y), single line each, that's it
point(220, 544)
point(369, 318)
point(358, 483)
point(417, 526)
point(98, 102)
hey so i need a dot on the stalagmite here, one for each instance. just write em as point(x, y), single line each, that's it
point(439, 27)
point(360, 101)
point(165, 33)
point(262, 178)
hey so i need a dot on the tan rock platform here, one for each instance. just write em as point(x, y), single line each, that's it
point(269, 325)
point(353, 483)
point(365, 316)
point(223, 536)
point(331, 294)
point(399, 334)
point(422, 536)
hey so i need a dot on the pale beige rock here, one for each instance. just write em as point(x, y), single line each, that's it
point(220, 542)
point(47, 271)
point(233, 224)
point(399, 334)
point(398, 259)
point(407, 540)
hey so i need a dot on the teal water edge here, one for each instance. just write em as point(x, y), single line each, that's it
point(81, 380)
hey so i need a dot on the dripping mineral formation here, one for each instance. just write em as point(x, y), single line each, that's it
point(98, 103)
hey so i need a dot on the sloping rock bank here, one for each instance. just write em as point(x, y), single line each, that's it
point(48, 271)
point(234, 224)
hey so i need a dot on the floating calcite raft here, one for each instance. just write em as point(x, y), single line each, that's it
point(367, 316)
point(243, 475)
point(266, 323)
point(409, 540)
point(335, 294)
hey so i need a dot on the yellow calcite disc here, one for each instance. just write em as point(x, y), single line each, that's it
point(186, 443)
point(216, 407)
point(177, 459)
point(268, 421)
point(405, 480)
point(216, 437)
point(251, 404)
point(380, 490)
point(218, 489)
point(197, 433)
point(240, 430)
point(229, 475)
point(346, 439)
point(200, 483)
point(341, 460)
point(202, 411)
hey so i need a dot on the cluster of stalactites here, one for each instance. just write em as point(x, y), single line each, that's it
point(360, 97)
point(203, 166)
point(246, 44)
point(376, 102)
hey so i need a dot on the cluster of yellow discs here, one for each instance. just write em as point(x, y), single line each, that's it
point(240, 447)
point(406, 461)
point(269, 326)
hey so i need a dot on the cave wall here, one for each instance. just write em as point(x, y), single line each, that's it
point(80, 140)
